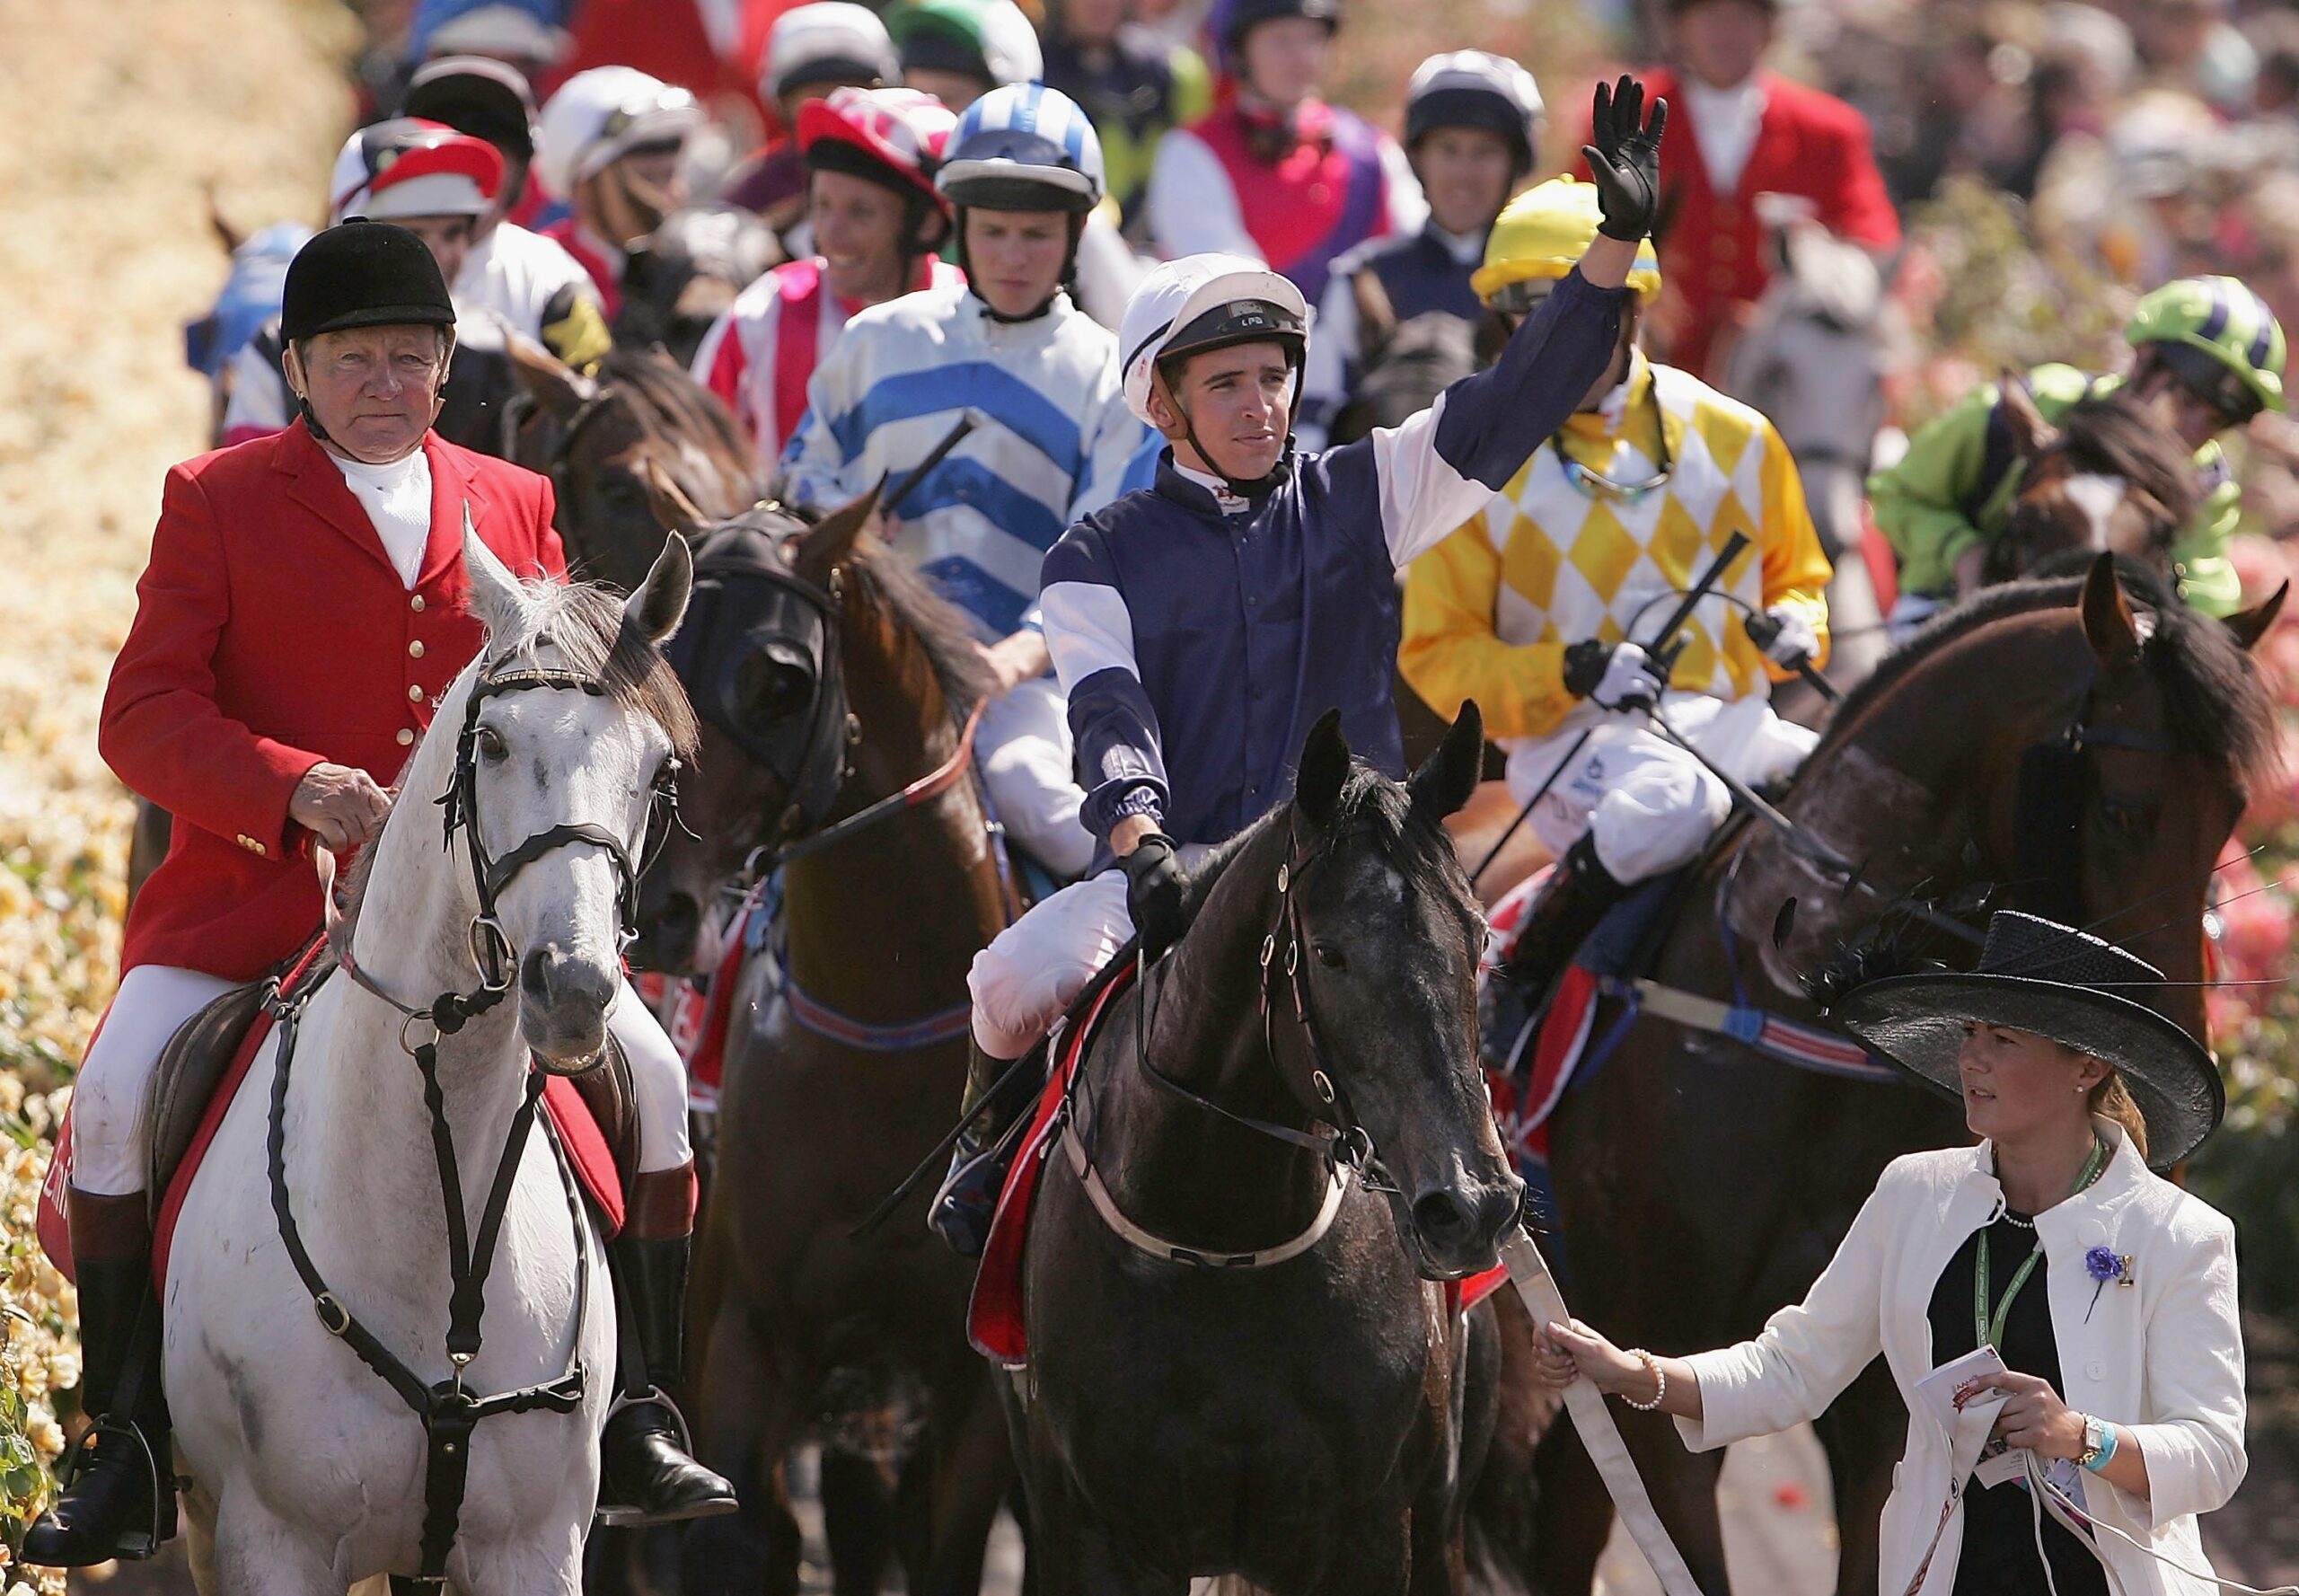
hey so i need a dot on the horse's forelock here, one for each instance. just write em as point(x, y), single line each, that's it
point(587, 624)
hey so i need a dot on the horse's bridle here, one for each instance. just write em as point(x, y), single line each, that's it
point(1306, 1073)
point(2047, 826)
point(448, 1411)
point(491, 947)
point(743, 555)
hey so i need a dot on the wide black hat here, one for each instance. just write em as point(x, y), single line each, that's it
point(363, 274)
point(2037, 975)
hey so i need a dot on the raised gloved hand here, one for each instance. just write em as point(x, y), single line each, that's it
point(1786, 635)
point(1612, 677)
point(1156, 886)
point(1625, 158)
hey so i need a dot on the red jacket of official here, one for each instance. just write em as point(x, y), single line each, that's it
point(272, 634)
point(1712, 248)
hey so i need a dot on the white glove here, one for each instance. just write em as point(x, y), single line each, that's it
point(1627, 681)
point(1798, 639)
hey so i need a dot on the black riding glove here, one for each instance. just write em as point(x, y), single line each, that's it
point(1625, 160)
point(1155, 887)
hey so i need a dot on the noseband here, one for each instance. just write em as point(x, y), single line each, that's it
point(490, 947)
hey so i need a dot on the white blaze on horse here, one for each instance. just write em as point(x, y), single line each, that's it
point(308, 1469)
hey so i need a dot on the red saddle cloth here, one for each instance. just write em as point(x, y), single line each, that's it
point(588, 1152)
point(995, 1319)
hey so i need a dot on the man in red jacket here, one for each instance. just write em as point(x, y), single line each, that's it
point(303, 611)
point(1742, 132)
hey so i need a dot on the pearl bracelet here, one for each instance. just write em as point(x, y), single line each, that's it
point(1660, 1378)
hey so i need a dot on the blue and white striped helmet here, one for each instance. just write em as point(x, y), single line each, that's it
point(1022, 147)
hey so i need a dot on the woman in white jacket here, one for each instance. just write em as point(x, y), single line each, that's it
point(2109, 1293)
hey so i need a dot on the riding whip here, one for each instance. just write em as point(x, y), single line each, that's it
point(1536, 1287)
point(1663, 657)
point(890, 502)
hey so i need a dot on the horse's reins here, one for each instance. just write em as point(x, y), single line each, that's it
point(449, 1411)
point(1348, 1150)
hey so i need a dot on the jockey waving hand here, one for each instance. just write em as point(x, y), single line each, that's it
point(302, 610)
point(1200, 627)
point(1539, 607)
point(876, 220)
point(2210, 357)
point(1052, 438)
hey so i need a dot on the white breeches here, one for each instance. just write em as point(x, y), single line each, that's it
point(110, 1140)
point(1023, 981)
point(1650, 806)
point(1022, 746)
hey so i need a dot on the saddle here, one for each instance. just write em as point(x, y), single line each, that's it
point(206, 1061)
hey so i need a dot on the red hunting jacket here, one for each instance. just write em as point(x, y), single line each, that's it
point(273, 633)
point(1712, 249)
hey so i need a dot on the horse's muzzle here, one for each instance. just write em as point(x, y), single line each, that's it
point(1457, 1227)
point(563, 1001)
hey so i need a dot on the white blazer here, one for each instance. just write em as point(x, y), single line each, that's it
point(2163, 1356)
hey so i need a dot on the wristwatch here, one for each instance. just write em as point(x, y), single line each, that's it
point(2095, 1442)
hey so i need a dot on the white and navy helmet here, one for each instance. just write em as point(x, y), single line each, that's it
point(1022, 147)
point(1198, 302)
point(1476, 89)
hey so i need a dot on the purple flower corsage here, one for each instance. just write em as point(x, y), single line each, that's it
point(2104, 1264)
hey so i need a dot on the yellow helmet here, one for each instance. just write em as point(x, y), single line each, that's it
point(1542, 235)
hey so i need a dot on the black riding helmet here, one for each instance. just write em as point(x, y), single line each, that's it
point(363, 274)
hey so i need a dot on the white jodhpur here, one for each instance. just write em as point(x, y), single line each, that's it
point(1024, 748)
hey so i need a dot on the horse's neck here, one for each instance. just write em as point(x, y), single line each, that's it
point(1904, 795)
point(919, 891)
point(359, 1101)
point(1175, 1166)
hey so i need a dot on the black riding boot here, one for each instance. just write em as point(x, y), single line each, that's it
point(966, 1202)
point(1569, 906)
point(646, 1473)
point(121, 1501)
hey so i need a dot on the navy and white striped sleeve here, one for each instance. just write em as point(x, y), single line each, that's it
point(1446, 462)
point(1090, 635)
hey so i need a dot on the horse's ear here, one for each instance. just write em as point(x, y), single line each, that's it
point(1376, 318)
point(2030, 433)
point(2252, 625)
point(660, 604)
point(557, 389)
point(2107, 614)
point(1325, 766)
point(673, 508)
point(224, 234)
point(495, 597)
point(1447, 777)
point(830, 540)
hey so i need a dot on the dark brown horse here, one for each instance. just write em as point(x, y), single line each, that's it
point(2088, 760)
point(829, 679)
point(1302, 1421)
point(615, 442)
point(2109, 479)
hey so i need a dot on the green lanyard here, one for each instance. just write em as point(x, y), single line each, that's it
point(1987, 1331)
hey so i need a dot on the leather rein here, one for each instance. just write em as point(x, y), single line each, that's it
point(448, 1410)
point(1347, 1149)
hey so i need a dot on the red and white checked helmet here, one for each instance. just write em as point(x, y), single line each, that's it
point(407, 167)
point(892, 135)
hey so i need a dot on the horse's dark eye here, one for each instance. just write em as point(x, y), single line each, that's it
point(490, 745)
point(1329, 955)
point(769, 691)
point(2123, 818)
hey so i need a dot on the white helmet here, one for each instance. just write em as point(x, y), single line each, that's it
point(832, 41)
point(600, 116)
point(1206, 301)
point(1022, 147)
point(1476, 89)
